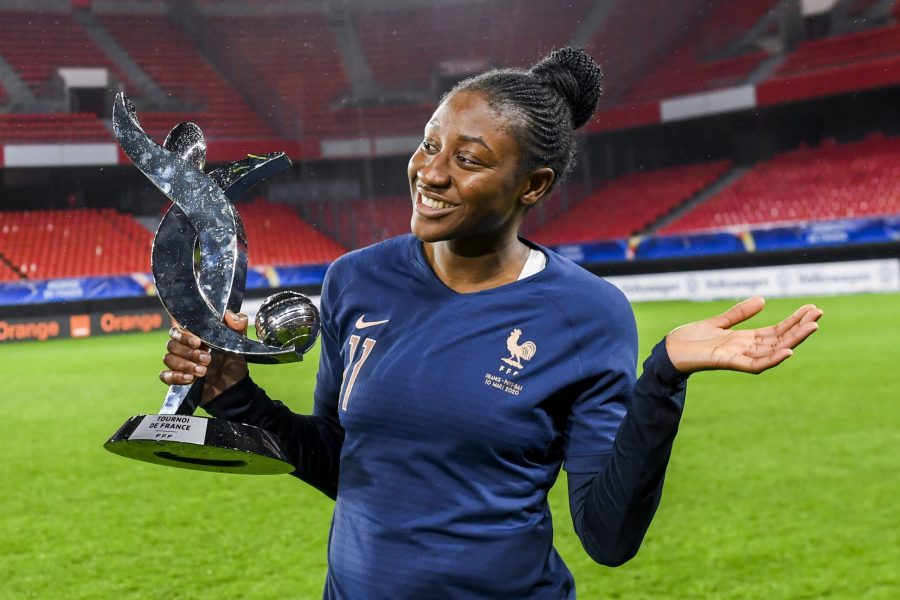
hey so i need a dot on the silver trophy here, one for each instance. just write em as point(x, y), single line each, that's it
point(199, 262)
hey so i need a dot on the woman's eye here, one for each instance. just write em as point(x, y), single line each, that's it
point(465, 160)
point(428, 146)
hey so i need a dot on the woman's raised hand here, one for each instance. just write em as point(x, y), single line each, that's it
point(187, 358)
point(712, 344)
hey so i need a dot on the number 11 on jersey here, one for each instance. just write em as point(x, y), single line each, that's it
point(367, 345)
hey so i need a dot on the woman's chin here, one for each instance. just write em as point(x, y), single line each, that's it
point(428, 232)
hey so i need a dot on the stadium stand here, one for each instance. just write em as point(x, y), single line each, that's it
point(297, 60)
point(38, 128)
point(843, 50)
point(365, 221)
point(303, 67)
point(808, 184)
point(162, 51)
point(689, 71)
point(277, 236)
point(73, 243)
point(86, 242)
point(627, 204)
point(7, 273)
point(3, 97)
point(472, 31)
point(37, 44)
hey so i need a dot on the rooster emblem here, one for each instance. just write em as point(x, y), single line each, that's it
point(518, 352)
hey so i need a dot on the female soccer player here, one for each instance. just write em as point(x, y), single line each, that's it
point(462, 366)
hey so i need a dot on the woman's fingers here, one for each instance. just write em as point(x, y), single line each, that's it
point(183, 365)
point(185, 337)
point(236, 321)
point(758, 365)
point(804, 314)
point(739, 313)
point(799, 324)
point(175, 378)
point(197, 355)
point(792, 320)
point(186, 358)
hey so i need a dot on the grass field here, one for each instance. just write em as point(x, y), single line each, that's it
point(785, 485)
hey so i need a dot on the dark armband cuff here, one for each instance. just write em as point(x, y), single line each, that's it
point(660, 365)
point(232, 401)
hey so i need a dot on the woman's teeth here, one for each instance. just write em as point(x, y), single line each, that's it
point(434, 203)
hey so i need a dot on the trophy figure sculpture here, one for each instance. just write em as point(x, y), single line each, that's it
point(199, 262)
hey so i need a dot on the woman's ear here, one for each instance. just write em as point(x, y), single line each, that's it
point(536, 185)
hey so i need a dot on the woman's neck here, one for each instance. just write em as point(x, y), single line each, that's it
point(472, 265)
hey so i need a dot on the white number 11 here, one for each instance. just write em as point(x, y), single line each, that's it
point(367, 344)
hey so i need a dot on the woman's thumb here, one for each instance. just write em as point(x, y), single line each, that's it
point(237, 322)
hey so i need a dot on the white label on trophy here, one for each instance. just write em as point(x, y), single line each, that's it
point(172, 428)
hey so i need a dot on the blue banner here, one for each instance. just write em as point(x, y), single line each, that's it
point(828, 233)
point(69, 290)
point(301, 275)
point(592, 252)
point(689, 245)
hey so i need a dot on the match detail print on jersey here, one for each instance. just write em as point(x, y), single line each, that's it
point(518, 352)
point(362, 324)
point(367, 345)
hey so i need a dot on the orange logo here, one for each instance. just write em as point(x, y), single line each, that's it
point(38, 330)
point(110, 322)
point(80, 326)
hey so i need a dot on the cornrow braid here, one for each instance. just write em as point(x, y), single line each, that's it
point(544, 105)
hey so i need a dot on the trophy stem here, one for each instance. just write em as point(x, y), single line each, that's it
point(182, 399)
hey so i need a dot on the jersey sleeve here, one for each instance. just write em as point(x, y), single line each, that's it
point(312, 442)
point(612, 507)
point(329, 377)
point(608, 359)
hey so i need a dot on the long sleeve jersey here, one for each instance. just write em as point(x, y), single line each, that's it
point(441, 420)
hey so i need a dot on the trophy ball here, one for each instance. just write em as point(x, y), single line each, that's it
point(187, 141)
point(288, 319)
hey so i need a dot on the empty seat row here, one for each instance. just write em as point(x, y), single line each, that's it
point(627, 204)
point(35, 44)
point(833, 181)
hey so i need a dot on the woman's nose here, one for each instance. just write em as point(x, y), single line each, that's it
point(434, 172)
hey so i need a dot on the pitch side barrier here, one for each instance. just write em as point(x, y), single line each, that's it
point(92, 318)
point(83, 310)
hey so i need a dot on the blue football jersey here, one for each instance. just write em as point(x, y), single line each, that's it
point(458, 411)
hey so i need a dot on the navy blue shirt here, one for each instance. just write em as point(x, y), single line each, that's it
point(442, 419)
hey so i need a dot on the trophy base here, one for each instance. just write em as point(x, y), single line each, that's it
point(201, 444)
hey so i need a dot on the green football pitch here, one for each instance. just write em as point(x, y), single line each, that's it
point(783, 485)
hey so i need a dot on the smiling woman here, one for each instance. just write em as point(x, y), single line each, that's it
point(462, 366)
point(497, 145)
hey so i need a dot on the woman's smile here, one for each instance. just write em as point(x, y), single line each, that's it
point(432, 207)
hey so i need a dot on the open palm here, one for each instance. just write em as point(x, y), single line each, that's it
point(712, 344)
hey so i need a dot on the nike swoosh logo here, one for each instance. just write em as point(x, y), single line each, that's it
point(362, 324)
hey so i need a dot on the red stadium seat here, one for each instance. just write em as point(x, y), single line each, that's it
point(627, 204)
point(36, 44)
point(830, 182)
point(157, 44)
point(686, 71)
point(842, 50)
point(277, 236)
point(52, 128)
point(73, 243)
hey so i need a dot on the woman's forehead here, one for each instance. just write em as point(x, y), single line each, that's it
point(468, 114)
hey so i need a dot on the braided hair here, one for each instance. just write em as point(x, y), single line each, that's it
point(543, 105)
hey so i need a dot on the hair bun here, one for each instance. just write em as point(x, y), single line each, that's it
point(576, 77)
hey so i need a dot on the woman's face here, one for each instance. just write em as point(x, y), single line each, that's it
point(463, 178)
